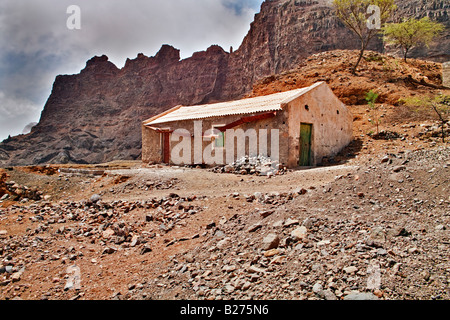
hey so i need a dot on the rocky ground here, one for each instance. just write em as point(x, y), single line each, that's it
point(375, 226)
point(378, 232)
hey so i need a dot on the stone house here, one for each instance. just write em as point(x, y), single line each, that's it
point(298, 128)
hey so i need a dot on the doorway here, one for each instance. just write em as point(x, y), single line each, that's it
point(305, 144)
point(166, 147)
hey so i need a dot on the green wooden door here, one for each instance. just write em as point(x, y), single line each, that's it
point(305, 144)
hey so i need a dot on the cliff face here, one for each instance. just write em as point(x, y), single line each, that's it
point(95, 116)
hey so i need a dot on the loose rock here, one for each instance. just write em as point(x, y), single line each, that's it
point(271, 241)
point(299, 233)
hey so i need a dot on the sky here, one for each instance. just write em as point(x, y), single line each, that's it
point(37, 44)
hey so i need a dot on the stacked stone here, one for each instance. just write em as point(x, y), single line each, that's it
point(254, 165)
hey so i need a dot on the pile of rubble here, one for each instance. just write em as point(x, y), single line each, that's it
point(147, 185)
point(434, 131)
point(387, 135)
point(10, 190)
point(254, 165)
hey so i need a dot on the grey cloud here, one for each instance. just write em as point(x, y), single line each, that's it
point(15, 113)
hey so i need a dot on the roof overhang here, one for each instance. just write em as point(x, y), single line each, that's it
point(249, 119)
point(160, 130)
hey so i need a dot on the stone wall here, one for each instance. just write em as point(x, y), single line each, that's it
point(332, 124)
point(151, 146)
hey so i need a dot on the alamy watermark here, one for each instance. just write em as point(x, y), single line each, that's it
point(374, 21)
point(74, 20)
point(224, 146)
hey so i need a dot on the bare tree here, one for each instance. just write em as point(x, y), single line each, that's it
point(365, 18)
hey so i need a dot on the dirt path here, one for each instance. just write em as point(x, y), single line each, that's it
point(203, 182)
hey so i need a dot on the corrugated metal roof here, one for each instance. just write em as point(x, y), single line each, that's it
point(267, 103)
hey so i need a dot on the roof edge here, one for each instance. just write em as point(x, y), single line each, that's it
point(282, 103)
point(307, 89)
point(148, 121)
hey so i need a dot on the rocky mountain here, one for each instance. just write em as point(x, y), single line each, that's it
point(95, 116)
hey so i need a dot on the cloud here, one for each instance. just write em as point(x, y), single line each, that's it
point(37, 45)
point(15, 113)
point(240, 6)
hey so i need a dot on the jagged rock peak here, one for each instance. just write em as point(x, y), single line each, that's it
point(100, 63)
point(168, 54)
point(215, 49)
point(95, 59)
point(141, 56)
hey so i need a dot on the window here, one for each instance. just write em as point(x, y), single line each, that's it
point(218, 136)
point(219, 141)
